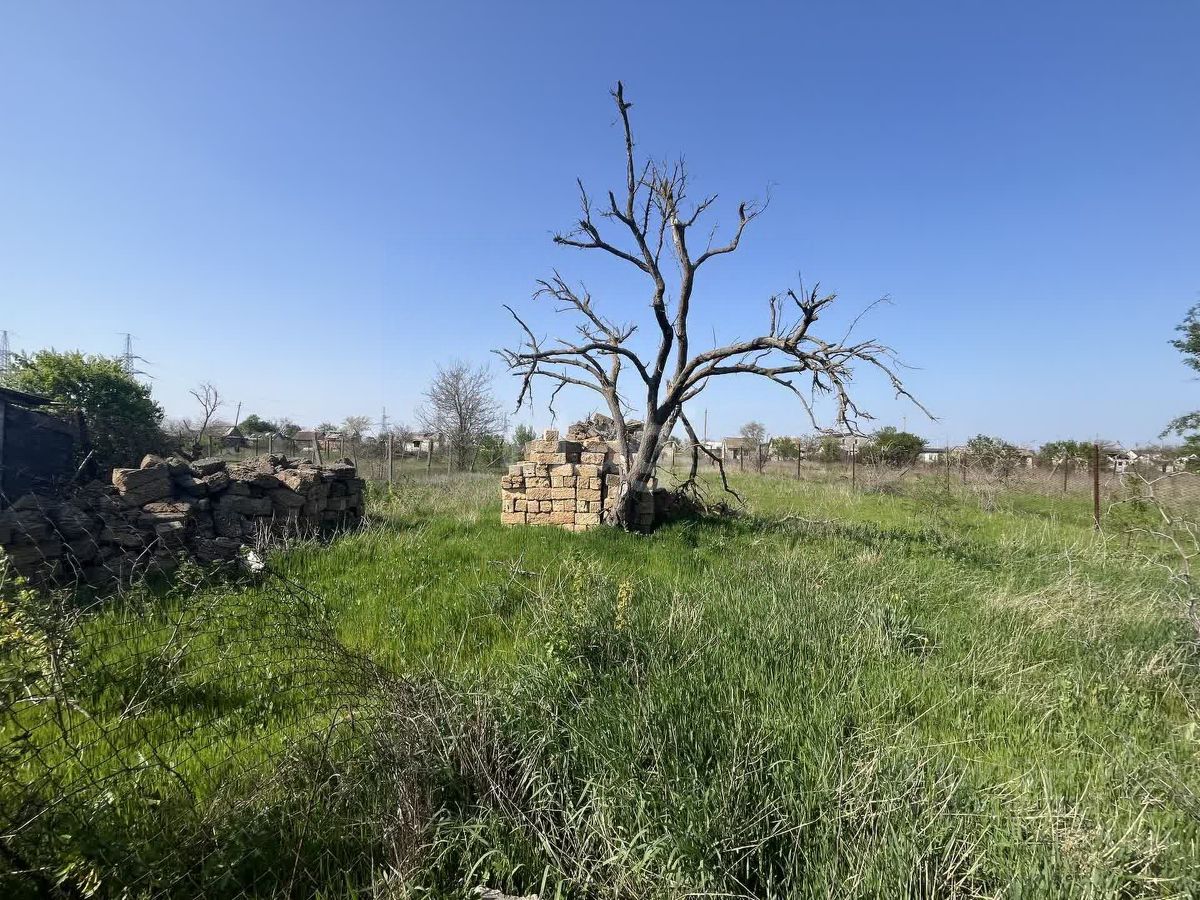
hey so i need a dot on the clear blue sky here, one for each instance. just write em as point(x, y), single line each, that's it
point(310, 204)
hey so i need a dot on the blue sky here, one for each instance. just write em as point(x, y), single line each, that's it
point(312, 204)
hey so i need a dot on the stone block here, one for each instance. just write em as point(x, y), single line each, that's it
point(562, 505)
point(587, 518)
point(24, 556)
point(285, 498)
point(139, 486)
point(562, 493)
point(342, 470)
point(257, 473)
point(178, 466)
point(83, 549)
point(208, 465)
point(512, 518)
point(216, 481)
point(246, 506)
point(172, 533)
point(72, 522)
point(189, 484)
point(300, 480)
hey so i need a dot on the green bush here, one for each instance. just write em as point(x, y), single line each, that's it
point(122, 419)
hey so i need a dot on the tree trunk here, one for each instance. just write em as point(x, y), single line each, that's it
point(638, 476)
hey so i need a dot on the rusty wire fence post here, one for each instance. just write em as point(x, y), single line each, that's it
point(1096, 484)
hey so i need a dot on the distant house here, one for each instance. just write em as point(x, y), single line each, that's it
point(736, 448)
point(269, 441)
point(306, 439)
point(685, 447)
point(933, 455)
point(1120, 460)
point(420, 443)
point(850, 443)
point(1028, 457)
point(234, 439)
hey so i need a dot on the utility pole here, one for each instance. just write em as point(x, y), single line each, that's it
point(946, 445)
point(386, 435)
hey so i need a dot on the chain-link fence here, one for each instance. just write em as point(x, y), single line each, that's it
point(990, 483)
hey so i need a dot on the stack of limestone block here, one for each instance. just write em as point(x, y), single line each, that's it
point(573, 484)
point(560, 482)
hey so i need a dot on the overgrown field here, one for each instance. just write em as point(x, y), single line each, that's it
point(835, 695)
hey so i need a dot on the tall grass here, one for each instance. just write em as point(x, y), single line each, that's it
point(836, 695)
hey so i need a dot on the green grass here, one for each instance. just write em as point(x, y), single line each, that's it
point(838, 694)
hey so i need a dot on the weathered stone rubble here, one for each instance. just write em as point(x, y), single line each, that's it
point(573, 484)
point(152, 516)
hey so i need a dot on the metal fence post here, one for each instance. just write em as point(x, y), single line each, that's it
point(1096, 483)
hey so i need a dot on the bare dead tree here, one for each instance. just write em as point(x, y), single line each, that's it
point(209, 398)
point(459, 406)
point(354, 428)
point(652, 212)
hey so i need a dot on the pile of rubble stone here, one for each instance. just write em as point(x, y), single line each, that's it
point(150, 517)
